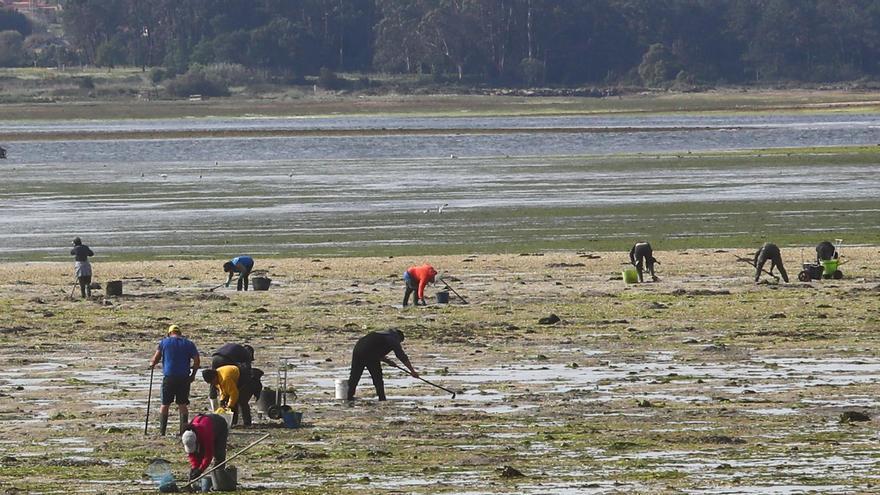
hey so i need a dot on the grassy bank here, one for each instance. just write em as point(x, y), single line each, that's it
point(126, 93)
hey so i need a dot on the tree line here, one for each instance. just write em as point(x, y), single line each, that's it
point(517, 42)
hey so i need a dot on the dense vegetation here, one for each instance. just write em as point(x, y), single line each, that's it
point(526, 42)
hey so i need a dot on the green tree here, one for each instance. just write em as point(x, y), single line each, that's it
point(11, 51)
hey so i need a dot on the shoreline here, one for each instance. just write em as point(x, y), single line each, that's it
point(283, 104)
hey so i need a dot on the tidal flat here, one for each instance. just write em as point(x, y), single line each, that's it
point(701, 383)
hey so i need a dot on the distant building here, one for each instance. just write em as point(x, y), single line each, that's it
point(31, 6)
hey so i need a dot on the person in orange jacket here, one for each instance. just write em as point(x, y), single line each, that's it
point(416, 278)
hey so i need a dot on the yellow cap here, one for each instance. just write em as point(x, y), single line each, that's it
point(173, 329)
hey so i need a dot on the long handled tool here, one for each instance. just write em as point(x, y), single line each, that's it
point(218, 466)
point(392, 363)
point(212, 289)
point(752, 264)
point(463, 300)
point(149, 399)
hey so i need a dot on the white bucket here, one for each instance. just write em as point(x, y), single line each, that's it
point(342, 389)
point(228, 417)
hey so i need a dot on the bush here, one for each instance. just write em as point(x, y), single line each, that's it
point(657, 66)
point(328, 79)
point(196, 82)
point(232, 74)
point(11, 49)
point(532, 71)
point(158, 75)
point(86, 82)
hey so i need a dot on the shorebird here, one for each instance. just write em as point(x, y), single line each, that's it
point(164, 176)
point(440, 208)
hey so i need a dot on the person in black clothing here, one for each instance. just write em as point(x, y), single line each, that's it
point(236, 355)
point(368, 352)
point(83, 268)
point(641, 255)
point(769, 251)
point(825, 251)
point(2, 152)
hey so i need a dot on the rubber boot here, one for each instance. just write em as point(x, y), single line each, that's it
point(163, 424)
point(184, 421)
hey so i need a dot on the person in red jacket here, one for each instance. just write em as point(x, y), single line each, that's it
point(416, 278)
point(204, 440)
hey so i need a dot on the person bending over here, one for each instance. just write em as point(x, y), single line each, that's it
point(769, 251)
point(642, 256)
point(416, 278)
point(243, 266)
point(368, 353)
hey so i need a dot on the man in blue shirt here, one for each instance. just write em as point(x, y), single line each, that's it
point(175, 351)
point(243, 265)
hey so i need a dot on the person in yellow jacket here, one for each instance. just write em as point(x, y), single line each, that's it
point(235, 389)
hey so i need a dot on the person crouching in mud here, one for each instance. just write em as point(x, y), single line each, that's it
point(368, 352)
point(204, 440)
point(642, 256)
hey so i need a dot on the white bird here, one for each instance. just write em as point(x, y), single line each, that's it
point(440, 208)
point(164, 176)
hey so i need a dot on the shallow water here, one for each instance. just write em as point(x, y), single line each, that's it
point(357, 194)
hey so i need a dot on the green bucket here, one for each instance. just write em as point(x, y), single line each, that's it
point(630, 276)
point(830, 266)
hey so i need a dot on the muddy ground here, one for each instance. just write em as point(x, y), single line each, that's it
point(701, 383)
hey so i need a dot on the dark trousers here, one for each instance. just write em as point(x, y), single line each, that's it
point(644, 257)
point(411, 287)
point(247, 388)
point(775, 262)
point(221, 437)
point(85, 285)
point(358, 363)
point(243, 281)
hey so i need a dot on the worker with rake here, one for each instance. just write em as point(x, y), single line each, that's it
point(769, 251)
point(368, 353)
point(243, 266)
point(416, 278)
point(175, 351)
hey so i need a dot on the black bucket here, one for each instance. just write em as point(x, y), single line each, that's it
point(114, 288)
point(443, 297)
point(224, 479)
point(261, 283)
point(268, 403)
point(815, 270)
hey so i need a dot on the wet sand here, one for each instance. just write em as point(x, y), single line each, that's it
point(701, 383)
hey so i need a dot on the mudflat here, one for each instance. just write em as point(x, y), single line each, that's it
point(702, 382)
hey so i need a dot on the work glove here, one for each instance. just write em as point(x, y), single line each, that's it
point(221, 410)
point(194, 473)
